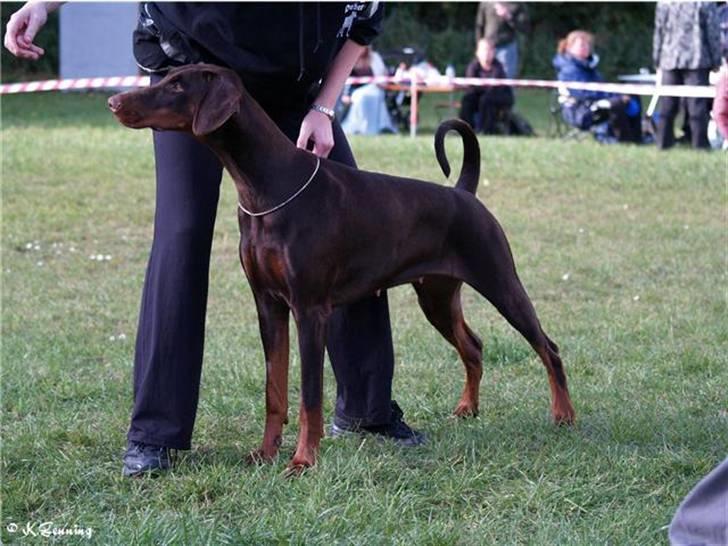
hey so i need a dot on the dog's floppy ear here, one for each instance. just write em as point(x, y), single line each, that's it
point(221, 101)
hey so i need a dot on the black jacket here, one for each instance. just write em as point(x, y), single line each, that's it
point(272, 45)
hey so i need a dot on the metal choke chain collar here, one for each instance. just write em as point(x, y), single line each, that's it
point(291, 198)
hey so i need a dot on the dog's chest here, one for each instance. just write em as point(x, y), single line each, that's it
point(265, 266)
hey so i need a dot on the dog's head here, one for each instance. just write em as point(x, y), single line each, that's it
point(196, 98)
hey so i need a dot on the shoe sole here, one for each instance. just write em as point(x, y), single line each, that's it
point(414, 441)
point(151, 472)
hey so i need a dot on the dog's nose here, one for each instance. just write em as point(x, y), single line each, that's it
point(114, 103)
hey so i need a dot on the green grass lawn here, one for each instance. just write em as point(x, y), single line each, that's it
point(622, 248)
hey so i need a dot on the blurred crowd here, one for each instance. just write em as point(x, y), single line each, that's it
point(689, 44)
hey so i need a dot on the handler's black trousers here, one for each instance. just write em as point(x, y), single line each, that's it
point(698, 109)
point(169, 345)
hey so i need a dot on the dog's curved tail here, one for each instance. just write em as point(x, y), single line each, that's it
point(470, 172)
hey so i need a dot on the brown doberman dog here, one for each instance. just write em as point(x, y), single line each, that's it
point(316, 234)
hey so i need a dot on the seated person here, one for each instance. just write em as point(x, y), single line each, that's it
point(367, 113)
point(482, 107)
point(575, 61)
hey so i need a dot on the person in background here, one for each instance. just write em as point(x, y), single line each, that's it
point(576, 61)
point(296, 74)
point(482, 107)
point(720, 103)
point(685, 48)
point(367, 113)
point(500, 23)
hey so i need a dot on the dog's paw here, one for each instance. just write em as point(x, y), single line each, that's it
point(563, 415)
point(258, 457)
point(465, 409)
point(295, 470)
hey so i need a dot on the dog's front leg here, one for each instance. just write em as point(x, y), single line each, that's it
point(273, 321)
point(311, 338)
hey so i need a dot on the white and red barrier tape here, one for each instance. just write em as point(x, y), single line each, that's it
point(440, 83)
point(80, 83)
point(620, 88)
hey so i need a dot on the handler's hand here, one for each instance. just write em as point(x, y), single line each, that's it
point(316, 127)
point(22, 27)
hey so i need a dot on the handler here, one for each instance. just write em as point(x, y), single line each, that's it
point(294, 60)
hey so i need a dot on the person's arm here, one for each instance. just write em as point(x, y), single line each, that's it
point(471, 71)
point(316, 126)
point(480, 22)
point(517, 17)
point(24, 24)
point(711, 27)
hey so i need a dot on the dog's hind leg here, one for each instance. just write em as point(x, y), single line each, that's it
point(439, 298)
point(486, 263)
point(500, 284)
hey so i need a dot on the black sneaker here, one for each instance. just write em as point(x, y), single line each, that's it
point(141, 458)
point(397, 430)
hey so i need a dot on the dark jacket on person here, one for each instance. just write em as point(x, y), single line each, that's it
point(277, 48)
point(577, 112)
point(491, 26)
point(570, 69)
point(502, 94)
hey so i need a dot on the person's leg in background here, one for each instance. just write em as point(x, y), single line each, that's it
point(469, 109)
point(667, 111)
point(487, 112)
point(686, 136)
point(170, 337)
point(698, 109)
point(625, 119)
point(634, 114)
point(507, 54)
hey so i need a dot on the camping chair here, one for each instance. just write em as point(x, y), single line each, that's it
point(561, 99)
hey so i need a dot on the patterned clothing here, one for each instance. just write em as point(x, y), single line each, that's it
point(687, 36)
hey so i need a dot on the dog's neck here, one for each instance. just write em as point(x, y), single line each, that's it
point(265, 165)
